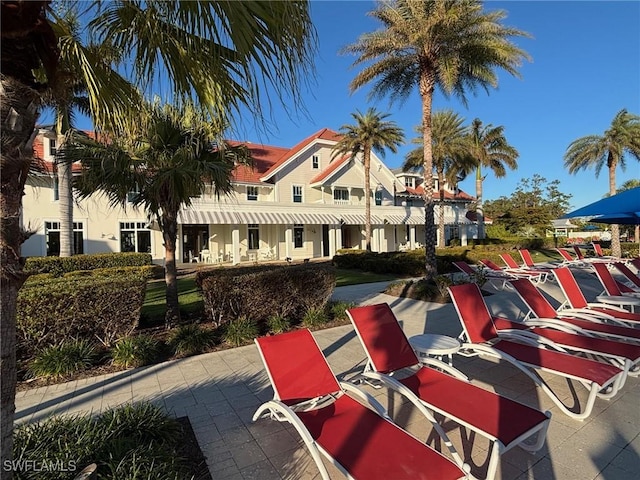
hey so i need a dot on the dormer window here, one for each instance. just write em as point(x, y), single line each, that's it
point(252, 193)
point(315, 162)
point(408, 182)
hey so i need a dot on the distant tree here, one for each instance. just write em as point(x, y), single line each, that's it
point(450, 44)
point(597, 151)
point(370, 132)
point(167, 156)
point(490, 149)
point(451, 160)
point(532, 206)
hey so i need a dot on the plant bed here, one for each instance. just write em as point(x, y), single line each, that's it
point(423, 290)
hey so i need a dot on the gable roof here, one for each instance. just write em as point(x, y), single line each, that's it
point(264, 157)
point(324, 134)
point(419, 192)
point(333, 167)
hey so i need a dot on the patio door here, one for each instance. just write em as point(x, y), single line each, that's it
point(325, 240)
point(194, 239)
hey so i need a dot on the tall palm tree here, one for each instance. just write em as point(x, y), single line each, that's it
point(369, 132)
point(597, 151)
point(449, 44)
point(222, 53)
point(490, 149)
point(168, 156)
point(451, 161)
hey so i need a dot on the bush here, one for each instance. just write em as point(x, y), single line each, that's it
point(240, 331)
point(258, 293)
point(278, 324)
point(135, 351)
point(60, 265)
point(68, 357)
point(130, 442)
point(191, 339)
point(338, 309)
point(84, 308)
point(314, 318)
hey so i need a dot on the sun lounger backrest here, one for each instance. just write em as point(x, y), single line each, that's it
point(636, 263)
point(530, 295)
point(491, 265)
point(570, 287)
point(509, 260)
point(598, 249)
point(382, 337)
point(607, 280)
point(526, 257)
point(473, 312)
point(296, 366)
point(565, 255)
point(464, 267)
point(578, 252)
point(626, 271)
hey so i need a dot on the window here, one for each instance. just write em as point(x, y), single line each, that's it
point(252, 193)
point(315, 162)
point(56, 188)
point(133, 195)
point(52, 236)
point(297, 193)
point(298, 235)
point(135, 237)
point(253, 234)
point(52, 147)
point(341, 195)
point(408, 182)
point(378, 197)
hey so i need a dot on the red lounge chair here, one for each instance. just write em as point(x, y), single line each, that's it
point(602, 380)
point(633, 279)
point(506, 423)
point(616, 293)
point(528, 261)
point(587, 260)
point(636, 263)
point(492, 276)
point(541, 308)
point(577, 303)
point(515, 272)
point(512, 265)
point(597, 248)
point(568, 260)
point(361, 442)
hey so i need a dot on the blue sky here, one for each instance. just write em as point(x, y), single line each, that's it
point(585, 68)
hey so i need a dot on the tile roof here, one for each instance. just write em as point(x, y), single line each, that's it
point(333, 166)
point(419, 191)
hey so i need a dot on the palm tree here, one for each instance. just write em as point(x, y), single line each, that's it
point(168, 156)
point(490, 149)
point(450, 44)
point(451, 161)
point(595, 151)
point(222, 53)
point(370, 132)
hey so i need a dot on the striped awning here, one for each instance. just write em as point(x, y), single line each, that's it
point(415, 220)
point(206, 217)
point(264, 218)
point(315, 218)
point(395, 219)
point(359, 219)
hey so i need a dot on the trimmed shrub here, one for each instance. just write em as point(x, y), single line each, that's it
point(191, 339)
point(68, 357)
point(84, 308)
point(240, 331)
point(288, 291)
point(58, 266)
point(132, 352)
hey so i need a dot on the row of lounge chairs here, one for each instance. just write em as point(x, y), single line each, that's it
point(594, 344)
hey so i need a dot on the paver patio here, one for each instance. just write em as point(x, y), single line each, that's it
point(220, 391)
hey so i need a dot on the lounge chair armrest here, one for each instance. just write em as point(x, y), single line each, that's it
point(607, 305)
point(454, 372)
point(556, 324)
point(367, 398)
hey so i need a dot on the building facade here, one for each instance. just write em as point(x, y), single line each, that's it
point(295, 203)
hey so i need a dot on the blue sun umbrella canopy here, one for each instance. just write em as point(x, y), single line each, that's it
point(622, 208)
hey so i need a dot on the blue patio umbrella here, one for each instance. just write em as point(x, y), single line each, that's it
point(615, 206)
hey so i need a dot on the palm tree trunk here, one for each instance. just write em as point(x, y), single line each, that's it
point(169, 225)
point(18, 111)
point(64, 187)
point(441, 240)
point(479, 209)
point(367, 197)
point(427, 85)
point(616, 250)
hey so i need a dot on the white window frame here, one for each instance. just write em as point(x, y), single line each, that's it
point(315, 162)
point(53, 148)
point(294, 188)
point(134, 226)
point(54, 226)
point(56, 188)
point(298, 227)
point(255, 227)
point(130, 193)
point(252, 193)
point(345, 196)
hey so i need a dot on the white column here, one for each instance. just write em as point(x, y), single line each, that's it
point(464, 232)
point(235, 244)
point(332, 240)
point(412, 237)
point(338, 237)
point(288, 240)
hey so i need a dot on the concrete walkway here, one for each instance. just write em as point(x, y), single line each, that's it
point(220, 392)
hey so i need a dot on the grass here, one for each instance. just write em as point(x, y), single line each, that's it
point(346, 277)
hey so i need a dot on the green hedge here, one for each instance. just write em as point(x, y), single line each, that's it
point(261, 292)
point(52, 310)
point(58, 266)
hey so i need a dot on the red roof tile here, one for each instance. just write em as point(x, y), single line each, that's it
point(333, 166)
point(419, 191)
